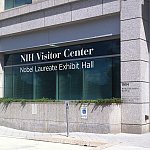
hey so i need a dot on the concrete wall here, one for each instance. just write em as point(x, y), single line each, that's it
point(50, 117)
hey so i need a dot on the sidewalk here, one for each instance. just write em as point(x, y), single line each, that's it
point(97, 141)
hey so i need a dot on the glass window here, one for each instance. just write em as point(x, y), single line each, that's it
point(15, 3)
point(100, 80)
point(70, 84)
point(8, 91)
point(9, 4)
point(22, 84)
point(116, 78)
point(22, 2)
point(44, 85)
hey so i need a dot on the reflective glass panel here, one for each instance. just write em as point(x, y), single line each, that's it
point(98, 81)
point(15, 3)
point(9, 4)
point(70, 84)
point(94, 77)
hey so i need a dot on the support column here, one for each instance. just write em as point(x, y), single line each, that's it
point(1, 75)
point(135, 66)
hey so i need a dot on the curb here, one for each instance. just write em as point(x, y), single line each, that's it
point(69, 140)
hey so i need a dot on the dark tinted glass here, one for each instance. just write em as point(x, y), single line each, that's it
point(116, 77)
point(98, 81)
point(101, 48)
point(44, 85)
point(14, 3)
point(102, 80)
point(9, 4)
point(22, 84)
point(70, 84)
point(22, 2)
point(8, 91)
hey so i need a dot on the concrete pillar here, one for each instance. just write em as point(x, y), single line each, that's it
point(1, 75)
point(135, 66)
point(1, 5)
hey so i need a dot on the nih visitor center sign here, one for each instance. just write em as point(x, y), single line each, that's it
point(64, 60)
point(73, 72)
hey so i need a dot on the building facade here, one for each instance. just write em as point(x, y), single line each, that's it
point(78, 49)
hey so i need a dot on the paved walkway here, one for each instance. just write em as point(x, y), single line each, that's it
point(98, 141)
point(9, 143)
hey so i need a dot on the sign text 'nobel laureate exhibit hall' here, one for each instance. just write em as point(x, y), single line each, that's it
point(83, 71)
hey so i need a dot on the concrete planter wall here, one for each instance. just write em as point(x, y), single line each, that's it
point(51, 117)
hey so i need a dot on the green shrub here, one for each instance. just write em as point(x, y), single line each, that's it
point(97, 102)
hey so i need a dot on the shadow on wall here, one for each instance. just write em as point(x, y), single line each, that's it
point(145, 20)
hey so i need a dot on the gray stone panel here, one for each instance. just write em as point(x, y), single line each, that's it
point(58, 15)
point(13, 123)
point(140, 31)
point(11, 21)
point(56, 127)
point(134, 50)
point(134, 114)
point(115, 128)
point(32, 21)
point(9, 13)
point(37, 1)
point(50, 112)
point(25, 9)
point(49, 3)
point(35, 7)
point(86, 9)
point(135, 92)
point(135, 129)
point(59, 2)
point(111, 6)
point(89, 128)
point(61, 113)
point(24, 114)
point(10, 26)
point(134, 9)
point(94, 128)
point(75, 116)
point(135, 71)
